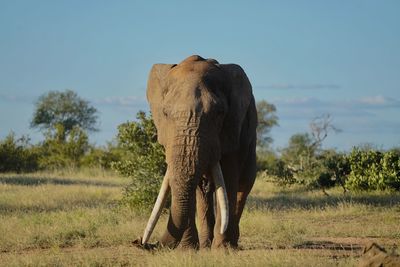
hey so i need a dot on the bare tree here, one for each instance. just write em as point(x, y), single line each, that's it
point(320, 126)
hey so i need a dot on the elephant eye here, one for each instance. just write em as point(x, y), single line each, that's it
point(165, 113)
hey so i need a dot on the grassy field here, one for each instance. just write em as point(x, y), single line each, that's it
point(64, 219)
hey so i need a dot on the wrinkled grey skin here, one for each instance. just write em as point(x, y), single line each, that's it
point(204, 113)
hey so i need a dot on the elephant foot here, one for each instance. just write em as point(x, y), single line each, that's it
point(138, 243)
point(220, 244)
point(205, 244)
point(189, 246)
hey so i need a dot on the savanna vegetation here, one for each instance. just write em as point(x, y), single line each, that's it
point(75, 218)
point(65, 201)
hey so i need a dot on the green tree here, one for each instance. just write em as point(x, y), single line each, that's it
point(309, 163)
point(142, 160)
point(373, 170)
point(66, 109)
point(300, 152)
point(267, 118)
point(60, 150)
point(17, 155)
point(102, 157)
point(335, 168)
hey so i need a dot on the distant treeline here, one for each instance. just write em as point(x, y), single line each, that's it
point(17, 154)
point(66, 119)
point(136, 151)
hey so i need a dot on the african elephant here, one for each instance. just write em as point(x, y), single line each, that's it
point(206, 120)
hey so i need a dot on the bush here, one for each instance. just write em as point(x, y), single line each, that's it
point(300, 158)
point(17, 155)
point(60, 150)
point(335, 169)
point(274, 167)
point(373, 170)
point(142, 160)
point(101, 157)
point(324, 169)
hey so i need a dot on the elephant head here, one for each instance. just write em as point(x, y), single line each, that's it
point(198, 107)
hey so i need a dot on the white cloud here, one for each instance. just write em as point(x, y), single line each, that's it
point(121, 101)
point(379, 101)
point(364, 119)
point(288, 86)
point(17, 98)
point(306, 108)
point(363, 103)
point(373, 100)
point(295, 100)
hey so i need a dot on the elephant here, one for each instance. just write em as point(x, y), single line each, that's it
point(206, 120)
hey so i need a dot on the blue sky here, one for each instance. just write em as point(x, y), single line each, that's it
point(306, 57)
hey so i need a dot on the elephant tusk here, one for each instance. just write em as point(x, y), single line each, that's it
point(222, 198)
point(158, 206)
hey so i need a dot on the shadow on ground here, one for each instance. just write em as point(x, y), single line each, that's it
point(36, 181)
point(9, 208)
point(329, 245)
point(293, 201)
point(314, 245)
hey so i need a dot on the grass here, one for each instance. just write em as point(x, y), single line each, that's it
point(69, 218)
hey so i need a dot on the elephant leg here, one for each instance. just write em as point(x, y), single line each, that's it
point(241, 201)
point(246, 182)
point(230, 171)
point(205, 212)
point(190, 237)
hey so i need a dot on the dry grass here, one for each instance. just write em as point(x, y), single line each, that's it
point(64, 219)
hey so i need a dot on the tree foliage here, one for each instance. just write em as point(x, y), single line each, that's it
point(335, 169)
point(300, 152)
point(142, 160)
point(308, 162)
point(101, 156)
point(17, 155)
point(373, 170)
point(267, 118)
point(364, 168)
point(60, 150)
point(66, 109)
point(272, 166)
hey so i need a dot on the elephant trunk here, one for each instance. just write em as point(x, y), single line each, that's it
point(187, 162)
point(188, 159)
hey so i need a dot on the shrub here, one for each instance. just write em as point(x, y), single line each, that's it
point(274, 167)
point(60, 150)
point(335, 169)
point(101, 157)
point(326, 169)
point(142, 160)
point(391, 169)
point(300, 158)
point(17, 155)
point(373, 170)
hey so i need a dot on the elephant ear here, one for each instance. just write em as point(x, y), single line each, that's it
point(239, 95)
point(156, 90)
